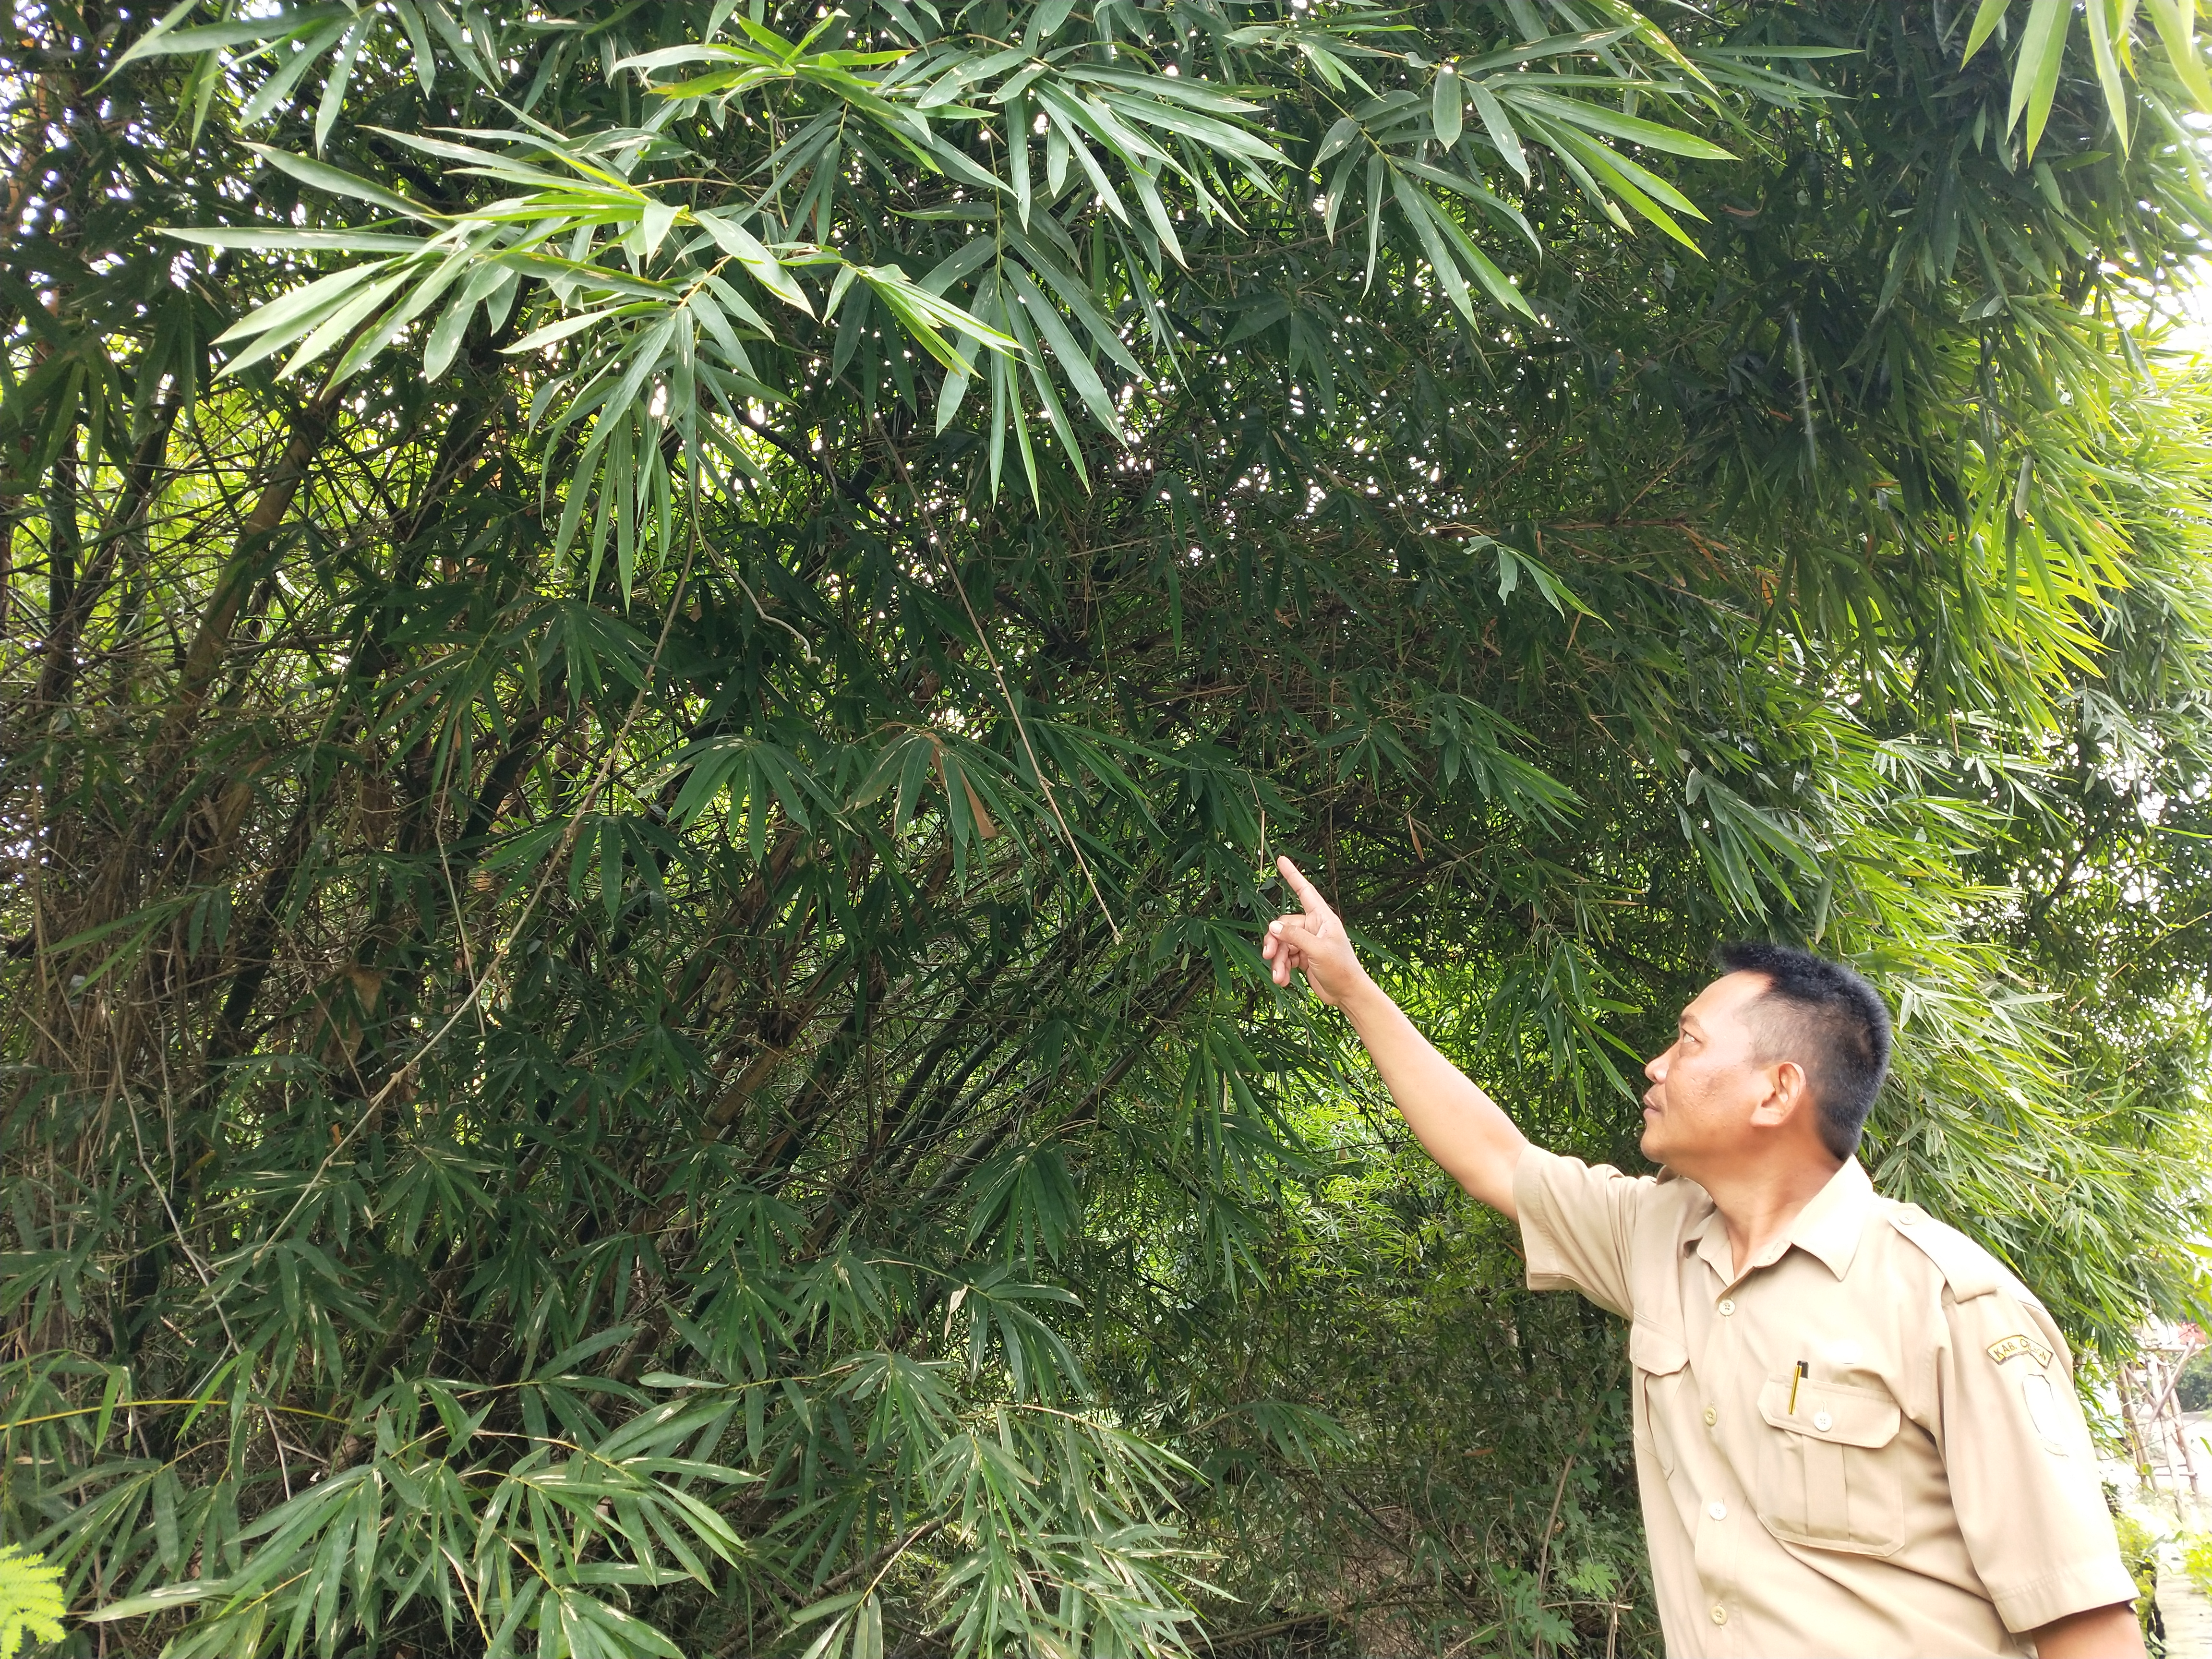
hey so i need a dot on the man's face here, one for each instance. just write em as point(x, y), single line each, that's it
point(1705, 1088)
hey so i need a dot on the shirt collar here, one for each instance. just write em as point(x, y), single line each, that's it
point(1829, 1227)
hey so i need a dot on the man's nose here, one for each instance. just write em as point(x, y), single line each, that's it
point(1655, 1068)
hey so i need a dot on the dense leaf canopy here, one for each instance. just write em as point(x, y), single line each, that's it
point(651, 655)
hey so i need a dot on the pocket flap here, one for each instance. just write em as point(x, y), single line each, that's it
point(1650, 1349)
point(1831, 1411)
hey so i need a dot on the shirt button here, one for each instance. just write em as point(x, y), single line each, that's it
point(1727, 1307)
point(1711, 1417)
point(1823, 1422)
point(1718, 1509)
point(1720, 1614)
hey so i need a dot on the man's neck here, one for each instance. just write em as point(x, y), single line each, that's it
point(1758, 1202)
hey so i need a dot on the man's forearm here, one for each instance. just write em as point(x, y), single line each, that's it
point(1462, 1127)
point(2101, 1633)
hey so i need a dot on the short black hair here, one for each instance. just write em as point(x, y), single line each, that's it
point(1835, 1021)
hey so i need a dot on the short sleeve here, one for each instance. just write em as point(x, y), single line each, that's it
point(1576, 1221)
point(2024, 1478)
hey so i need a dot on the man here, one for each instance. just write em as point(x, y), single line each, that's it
point(1856, 1431)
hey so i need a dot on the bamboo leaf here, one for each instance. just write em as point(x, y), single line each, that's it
point(1450, 106)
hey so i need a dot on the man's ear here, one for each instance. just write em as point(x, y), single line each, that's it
point(1787, 1094)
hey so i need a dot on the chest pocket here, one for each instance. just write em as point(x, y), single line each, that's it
point(1829, 1473)
point(1658, 1357)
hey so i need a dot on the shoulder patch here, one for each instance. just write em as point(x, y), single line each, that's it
point(2011, 1348)
point(1967, 1268)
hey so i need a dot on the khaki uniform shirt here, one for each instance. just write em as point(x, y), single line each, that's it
point(1925, 1485)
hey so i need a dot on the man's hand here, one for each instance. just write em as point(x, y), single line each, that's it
point(1462, 1128)
point(1315, 943)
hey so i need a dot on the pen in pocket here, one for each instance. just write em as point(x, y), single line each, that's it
point(1796, 1377)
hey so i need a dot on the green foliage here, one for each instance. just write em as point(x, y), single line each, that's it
point(2038, 61)
point(2139, 1549)
point(31, 1601)
point(2196, 1560)
point(2192, 1388)
point(1413, 1438)
point(651, 657)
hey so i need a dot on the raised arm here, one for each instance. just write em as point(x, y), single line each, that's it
point(1462, 1127)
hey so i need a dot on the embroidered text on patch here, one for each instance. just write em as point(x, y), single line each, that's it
point(2006, 1347)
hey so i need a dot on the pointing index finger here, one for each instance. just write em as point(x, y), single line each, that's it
point(1308, 895)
